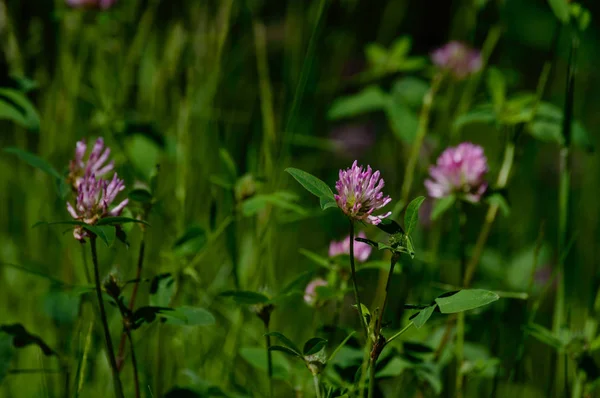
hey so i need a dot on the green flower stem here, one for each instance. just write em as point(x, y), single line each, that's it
point(121, 354)
point(411, 164)
point(559, 319)
point(317, 386)
point(109, 345)
point(372, 378)
point(269, 359)
point(460, 325)
point(490, 217)
point(354, 284)
point(400, 333)
point(136, 378)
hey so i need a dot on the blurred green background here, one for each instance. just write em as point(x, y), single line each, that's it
point(224, 95)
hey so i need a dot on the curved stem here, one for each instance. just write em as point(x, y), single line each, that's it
point(317, 387)
point(109, 345)
point(136, 378)
point(353, 269)
point(394, 337)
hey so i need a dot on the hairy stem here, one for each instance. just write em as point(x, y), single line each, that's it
point(109, 345)
point(317, 386)
point(136, 379)
point(138, 275)
point(354, 284)
point(269, 359)
point(372, 378)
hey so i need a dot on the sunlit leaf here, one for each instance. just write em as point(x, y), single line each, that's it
point(411, 217)
point(189, 316)
point(465, 300)
point(313, 346)
point(423, 316)
point(313, 185)
point(15, 106)
point(441, 206)
point(368, 100)
point(246, 297)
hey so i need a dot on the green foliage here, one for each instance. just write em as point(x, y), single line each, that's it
point(16, 107)
point(465, 300)
point(441, 206)
point(315, 186)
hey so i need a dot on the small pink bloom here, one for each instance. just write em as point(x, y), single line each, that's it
point(95, 164)
point(310, 293)
point(102, 4)
point(359, 194)
point(94, 198)
point(458, 59)
point(362, 251)
point(459, 170)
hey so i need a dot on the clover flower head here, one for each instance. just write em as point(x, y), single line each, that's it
point(362, 251)
point(359, 194)
point(310, 293)
point(101, 4)
point(95, 164)
point(458, 59)
point(94, 198)
point(459, 170)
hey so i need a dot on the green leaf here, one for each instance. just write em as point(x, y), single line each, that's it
point(313, 346)
point(34, 160)
point(403, 121)
point(545, 336)
point(496, 85)
point(560, 8)
point(281, 200)
point(7, 351)
point(107, 233)
point(441, 206)
point(140, 195)
point(399, 50)
point(22, 338)
point(257, 357)
point(423, 316)
point(412, 214)
point(61, 306)
point(368, 100)
point(286, 341)
point(229, 163)
point(191, 242)
point(500, 201)
point(376, 54)
point(16, 107)
point(314, 257)
point(162, 289)
point(119, 220)
point(298, 282)
point(465, 300)
point(389, 226)
point(286, 350)
point(245, 297)
point(313, 185)
point(482, 114)
point(395, 367)
point(410, 91)
point(189, 316)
